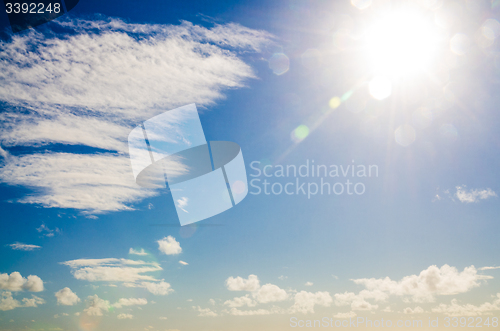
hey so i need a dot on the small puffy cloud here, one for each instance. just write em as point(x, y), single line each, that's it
point(305, 301)
point(45, 231)
point(163, 318)
point(282, 277)
point(160, 288)
point(358, 301)
point(130, 302)
point(240, 302)
point(238, 312)
point(124, 316)
point(456, 309)
point(205, 312)
point(212, 302)
point(350, 314)
point(15, 282)
point(140, 252)
point(169, 246)
point(7, 302)
point(24, 247)
point(416, 310)
point(429, 283)
point(308, 284)
point(473, 195)
point(96, 306)
point(66, 297)
point(183, 263)
point(240, 284)
point(270, 293)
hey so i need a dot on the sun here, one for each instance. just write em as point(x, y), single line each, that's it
point(400, 42)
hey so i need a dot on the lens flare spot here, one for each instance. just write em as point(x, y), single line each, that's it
point(380, 87)
point(361, 4)
point(405, 135)
point(300, 133)
point(459, 44)
point(334, 102)
point(238, 187)
point(279, 63)
point(490, 29)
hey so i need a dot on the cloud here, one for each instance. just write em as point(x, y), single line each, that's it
point(416, 310)
point(7, 302)
point(350, 314)
point(169, 246)
point(88, 83)
point(473, 195)
point(237, 312)
point(45, 231)
point(124, 316)
point(358, 301)
point(305, 301)
point(24, 247)
point(96, 306)
point(270, 293)
point(455, 309)
point(429, 283)
point(66, 297)
point(15, 282)
point(140, 252)
point(308, 284)
point(240, 302)
point(183, 263)
point(130, 302)
point(112, 270)
point(488, 268)
point(240, 284)
point(205, 312)
point(160, 288)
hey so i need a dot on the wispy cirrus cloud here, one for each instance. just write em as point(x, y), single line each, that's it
point(90, 85)
point(24, 247)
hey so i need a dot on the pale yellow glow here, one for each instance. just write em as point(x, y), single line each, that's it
point(400, 42)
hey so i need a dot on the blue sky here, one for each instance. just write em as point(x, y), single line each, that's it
point(84, 247)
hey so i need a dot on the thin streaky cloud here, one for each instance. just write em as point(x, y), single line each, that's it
point(24, 247)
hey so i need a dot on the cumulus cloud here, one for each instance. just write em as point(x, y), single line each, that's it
point(7, 302)
point(468, 196)
point(24, 247)
point(124, 316)
point(416, 310)
point(96, 306)
point(15, 282)
point(89, 82)
point(205, 312)
point(358, 301)
point(429, 283)
point(240, 284)
point(308, 284)
point(240, 302)
point(350, 314)
point(66, 297)
point(253, 312)
point(169, 246)
point(456, 309)
point(140, 252)
point(270, 293)
point(159, 288)
point(305, 301)
point(130, 302)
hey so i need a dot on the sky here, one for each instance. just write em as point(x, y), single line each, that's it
point(369, 134)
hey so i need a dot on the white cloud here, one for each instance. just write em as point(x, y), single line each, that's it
point(47, 232)
point(240, 284)
point(96, 306)
point(305, 301)
point(205, 312)
point(488, 268)
point(455, 309)
point(15, 282)
point(124, 316)
point(112, 270)
point(270, 293)
point(169, 246)
point(416, 310)
point(282, 277)
point(130, 302)
point(66, 297)
point(473, 195)
point(161, 288)
point(350, 314)
point(238, 312)
point(7, 302)
point(429, 283)
point(308, 284)
point(140, 252)
point(183, 263)
point(163, 318)
point(24, 247)
point(240, 302)
point(90, 85)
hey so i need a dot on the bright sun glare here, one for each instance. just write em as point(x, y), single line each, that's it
point(399, 43)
